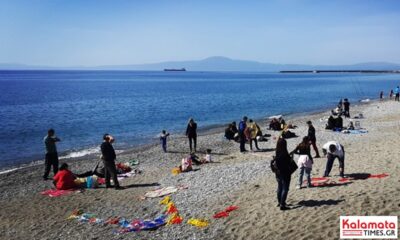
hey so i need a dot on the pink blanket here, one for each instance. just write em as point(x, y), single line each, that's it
point(57, 193)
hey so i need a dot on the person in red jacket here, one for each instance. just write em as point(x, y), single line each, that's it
point(64, 179)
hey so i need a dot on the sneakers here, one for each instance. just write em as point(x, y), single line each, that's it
point(317, 156)
point(283, 208)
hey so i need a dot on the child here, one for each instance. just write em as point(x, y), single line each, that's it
point(186, 164)
point(207, 159)
point(163, 140)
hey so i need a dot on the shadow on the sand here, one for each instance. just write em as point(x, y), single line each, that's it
point(359, 176)
point(331, 184)
point(142, 185)
point(319, 203)
point(265, 150)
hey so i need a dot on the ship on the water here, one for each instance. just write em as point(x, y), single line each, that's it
point(175, 70)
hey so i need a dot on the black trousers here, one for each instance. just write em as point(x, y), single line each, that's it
point(110, 172)
point(192, 139)
point(51, 159)
point(242, 139)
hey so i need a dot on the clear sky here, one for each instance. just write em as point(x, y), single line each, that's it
point(90, 33)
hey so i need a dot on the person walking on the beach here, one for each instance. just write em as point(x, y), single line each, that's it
point(108, 152)
point(242, 136)
point(397, 93)
point(391, 94)
point(381, 96)
point(191, 133)
point(312, 138)
point(346, 105)
point(333, 150)
point(51, 158)
point(282, 174)
point(163, 140)
point(305, 160)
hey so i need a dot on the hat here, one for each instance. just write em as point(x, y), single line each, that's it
point(309, 122)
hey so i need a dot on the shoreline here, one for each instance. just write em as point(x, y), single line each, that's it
point(151, 142)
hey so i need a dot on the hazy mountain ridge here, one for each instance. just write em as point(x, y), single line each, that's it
point(214, 64)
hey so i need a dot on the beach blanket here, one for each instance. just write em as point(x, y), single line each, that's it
point(57, 193)
point(163, 191)
point(382, 175)
point(326, 182)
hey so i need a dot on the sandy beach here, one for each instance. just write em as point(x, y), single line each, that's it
point(244, 180)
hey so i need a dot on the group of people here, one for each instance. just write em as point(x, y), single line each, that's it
point(64, 178)
point(395, 93)
point(284, 162)
point(249, 131)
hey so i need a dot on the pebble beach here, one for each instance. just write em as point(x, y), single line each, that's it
point(234, 178)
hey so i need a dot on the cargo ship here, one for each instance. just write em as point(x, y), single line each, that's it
point(174, 70)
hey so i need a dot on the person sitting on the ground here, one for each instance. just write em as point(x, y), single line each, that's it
point(350, 126)
point(186, 165)
point(339, 123)
point(230, 133)
point(333, 150)
point(97, 171)
point(274, 124)
point(305, 160)
point(64, 179)
point(207, 158)
point(287, 134)
point(331, 123)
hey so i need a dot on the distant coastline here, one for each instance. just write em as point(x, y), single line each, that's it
point(341, 71)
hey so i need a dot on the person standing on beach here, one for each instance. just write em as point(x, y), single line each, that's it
point(108, 152)
point(346, 105)
point(391, 94)
point(242, 136)
point(163, 140)
point(282, 174)
point(254, 130)
point(381, 96)
point(305, 160)
point(312, 138)
point(191, 133)
point(51, 158)
point(333, 150)
point(397, 93)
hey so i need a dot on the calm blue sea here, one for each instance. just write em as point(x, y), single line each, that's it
point(135, 106)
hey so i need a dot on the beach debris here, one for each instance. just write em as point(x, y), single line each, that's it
point(175, 171)
point(161, 192)
point(226, 212)
point(198, 222)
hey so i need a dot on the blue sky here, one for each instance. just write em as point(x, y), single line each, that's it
point(92, 33)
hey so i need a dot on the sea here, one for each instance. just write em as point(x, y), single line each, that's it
point(134, 106)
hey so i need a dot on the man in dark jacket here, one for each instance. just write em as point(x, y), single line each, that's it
point(51, 158)
point(312, 138)
point(242, 137)
point(107, 150)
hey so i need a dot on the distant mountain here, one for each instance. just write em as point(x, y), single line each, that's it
point(217, 64)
